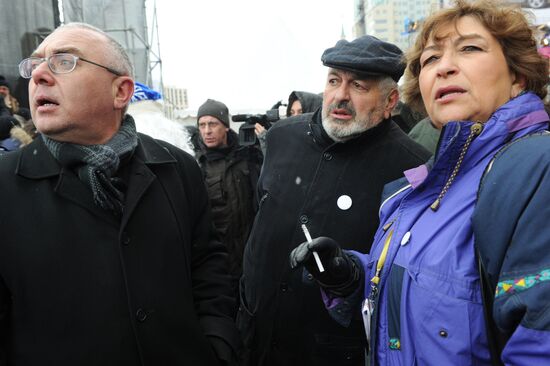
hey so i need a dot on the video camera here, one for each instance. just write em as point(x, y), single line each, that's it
point(247, 136)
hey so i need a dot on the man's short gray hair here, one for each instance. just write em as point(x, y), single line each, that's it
point(385, 85)
point(118, 59)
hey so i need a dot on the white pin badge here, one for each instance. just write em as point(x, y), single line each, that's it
point(406, 238)
point(344, 202)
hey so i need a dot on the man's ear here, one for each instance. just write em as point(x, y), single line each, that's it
point(391, 102)
point(123, 90)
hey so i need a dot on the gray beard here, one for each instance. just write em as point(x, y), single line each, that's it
point(341, 131)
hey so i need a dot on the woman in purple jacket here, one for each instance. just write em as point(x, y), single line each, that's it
point(459, 273)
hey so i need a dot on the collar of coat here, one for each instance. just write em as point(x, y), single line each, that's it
point(36, 162)
point(218, 153)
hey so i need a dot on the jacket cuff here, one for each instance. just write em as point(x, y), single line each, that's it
point(223, 336)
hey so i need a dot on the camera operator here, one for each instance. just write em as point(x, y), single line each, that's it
point(261, 131)
point(231, 172)
point(299, 102)
point(255, 127)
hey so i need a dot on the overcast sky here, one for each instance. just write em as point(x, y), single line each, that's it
point(248, 53)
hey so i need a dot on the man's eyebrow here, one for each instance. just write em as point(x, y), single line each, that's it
point(72, 50)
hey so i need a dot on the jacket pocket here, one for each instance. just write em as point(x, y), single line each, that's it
point(216, 191)
point(449, 326)
point(395, 287)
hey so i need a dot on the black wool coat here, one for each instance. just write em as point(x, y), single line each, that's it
point(231, 174)
point(304, 180)
point(79, 287)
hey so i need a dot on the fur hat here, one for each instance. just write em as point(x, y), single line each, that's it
point(215, 109)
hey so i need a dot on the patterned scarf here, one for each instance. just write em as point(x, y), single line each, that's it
point(96, 164)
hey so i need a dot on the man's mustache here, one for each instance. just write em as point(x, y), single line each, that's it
point(346, 106)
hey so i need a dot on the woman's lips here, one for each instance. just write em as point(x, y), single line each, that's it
point(448, 93)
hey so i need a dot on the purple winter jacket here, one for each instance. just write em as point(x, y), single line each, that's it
point(429, 307)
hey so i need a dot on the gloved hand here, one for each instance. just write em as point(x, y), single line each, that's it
point(341, 275)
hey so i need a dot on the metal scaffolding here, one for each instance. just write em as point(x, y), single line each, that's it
point(127, 22)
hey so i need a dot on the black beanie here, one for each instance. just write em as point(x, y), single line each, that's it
point(215, 109)
point(4, 82)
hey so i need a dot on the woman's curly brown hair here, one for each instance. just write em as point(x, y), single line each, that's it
point(510, 27)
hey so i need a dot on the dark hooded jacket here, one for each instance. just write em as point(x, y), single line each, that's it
point(231, 174)
point(309, 101)
point(282, 317)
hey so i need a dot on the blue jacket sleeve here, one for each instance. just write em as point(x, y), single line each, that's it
point(512, 231)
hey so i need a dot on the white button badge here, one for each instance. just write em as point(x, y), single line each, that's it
point(406, 238)
point(344, 202)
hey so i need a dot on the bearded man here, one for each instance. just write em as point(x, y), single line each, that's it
point(325, 170)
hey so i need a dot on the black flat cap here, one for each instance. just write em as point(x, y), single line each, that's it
point(366, 56)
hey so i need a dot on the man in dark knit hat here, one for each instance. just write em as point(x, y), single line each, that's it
point(324, 171)
point(231, 172)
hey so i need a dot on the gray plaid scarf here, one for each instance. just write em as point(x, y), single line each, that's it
point(96, 164)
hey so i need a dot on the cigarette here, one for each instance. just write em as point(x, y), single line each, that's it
point(315, 254)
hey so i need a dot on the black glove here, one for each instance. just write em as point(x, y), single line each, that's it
point(341, 275)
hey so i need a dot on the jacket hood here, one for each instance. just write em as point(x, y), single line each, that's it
point(310, 102)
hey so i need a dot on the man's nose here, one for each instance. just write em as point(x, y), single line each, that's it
point(342, 93)
point(42, 74)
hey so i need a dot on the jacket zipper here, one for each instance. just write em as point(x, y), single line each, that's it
point(475, 130)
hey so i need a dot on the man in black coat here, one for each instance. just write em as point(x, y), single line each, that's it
point(325, 170)
point(107, 254)
point(231, 172)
